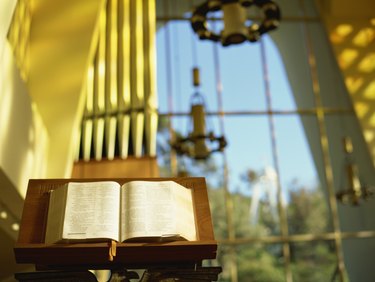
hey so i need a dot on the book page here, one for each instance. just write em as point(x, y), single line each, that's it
point(185, 212)
point(149, 209)
point(56, 210)
point(92, 210)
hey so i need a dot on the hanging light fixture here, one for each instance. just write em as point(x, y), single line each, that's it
point(352, 191)
point(199, 144)
point(234, 15)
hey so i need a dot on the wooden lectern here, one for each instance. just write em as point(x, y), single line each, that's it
point(31, 249)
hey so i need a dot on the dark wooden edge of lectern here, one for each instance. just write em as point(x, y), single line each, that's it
point(31, 249)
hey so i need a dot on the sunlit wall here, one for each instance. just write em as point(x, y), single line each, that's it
point(23, 137)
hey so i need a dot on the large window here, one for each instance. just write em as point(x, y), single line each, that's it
point(271, 193)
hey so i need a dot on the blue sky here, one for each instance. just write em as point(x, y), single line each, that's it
point(243, 89)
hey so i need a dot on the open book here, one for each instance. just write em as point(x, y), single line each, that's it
point(136, 210)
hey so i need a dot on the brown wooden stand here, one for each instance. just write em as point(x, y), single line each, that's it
point(30, 247)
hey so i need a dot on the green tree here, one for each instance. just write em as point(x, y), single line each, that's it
point(308, 213)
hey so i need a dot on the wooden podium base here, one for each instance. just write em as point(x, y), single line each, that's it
point(68, 276)
point(202, 274)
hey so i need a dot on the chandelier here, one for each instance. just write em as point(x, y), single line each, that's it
point(200, 142)
point(234, 16)
point(352, 190)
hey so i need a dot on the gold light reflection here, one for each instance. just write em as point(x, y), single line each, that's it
point(124, 101)
point(369, 92)
point(367, 64)
point(98, 138)
point(90, 89)
point(87, 125)
point(340, 32)
point(344, 29)
point(151, 101)
point(98, 123)
point(6, 95)
point(347, 57)
point(364, 37)
point(101, 63)
point(137, 78)
point(124, 78)
point(15, 227)
point(3, 215)
point(138, 60)
point(110, 136)
point(369, 135)
point(372, 120)
point(353, 83)
point(112, 77)
point(353, 43)
point(35, 157)
point(113, 54)
point(87, 130)
point(18, 36)
point(361, 109)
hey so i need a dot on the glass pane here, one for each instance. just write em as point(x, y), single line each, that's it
point(294, 153)
point(174, 66)
point(259, 262)
point(176, 46)
point(313, 261)
point(163, 147)
point(250, 262)
point(252, 183)
point(226, 258)
point(206, 65)
point(307, 206)
point(242, 77)
point(164, 81)
point(253, 175)
point(255, 216)
point(307, 211)
point(218, 211)
point(248, 149)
